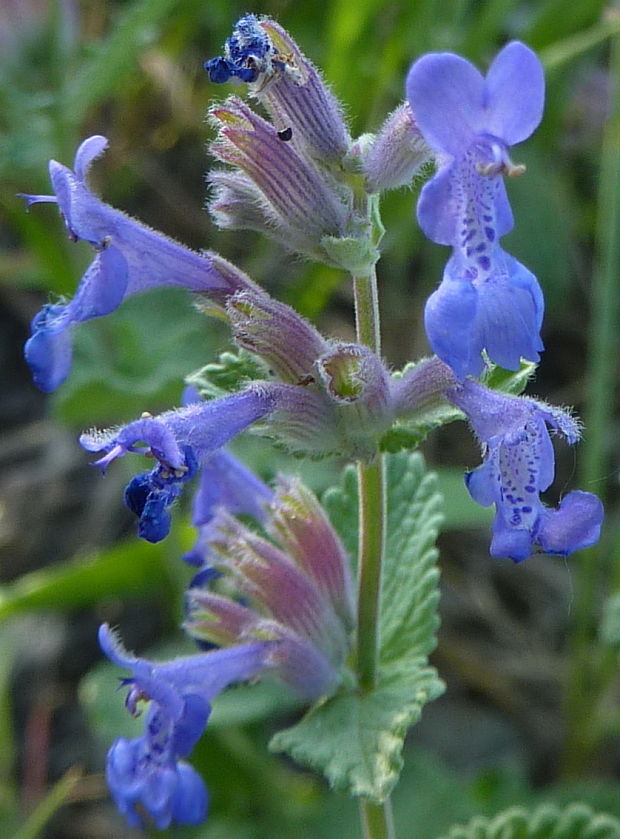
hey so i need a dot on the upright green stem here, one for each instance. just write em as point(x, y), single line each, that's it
point(371, 506)
point(585, 675)
point(367, 324)
point(376, 818)
point(371, 541)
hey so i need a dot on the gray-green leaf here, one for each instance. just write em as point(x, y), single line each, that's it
point(224, 376)
point(355, 739)
point(577, 821)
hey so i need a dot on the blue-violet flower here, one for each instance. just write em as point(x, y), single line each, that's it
point(519, 464)
point(130, 258)
point(487, 300)
point(147, 775)
point(180, 441)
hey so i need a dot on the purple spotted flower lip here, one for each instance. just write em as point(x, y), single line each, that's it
point(487, 300)
point(130, 258)
point(147, 776)
point(519, 465)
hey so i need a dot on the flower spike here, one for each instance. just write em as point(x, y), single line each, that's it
point(487, 300)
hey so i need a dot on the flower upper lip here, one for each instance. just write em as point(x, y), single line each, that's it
point(453, 103)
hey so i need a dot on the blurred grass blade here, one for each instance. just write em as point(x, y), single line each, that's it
point(568, 49)
point(585, 678)
point(116, 57)
point(131, 568)
point(552, 21)
point(44, 811)
point(489, 27)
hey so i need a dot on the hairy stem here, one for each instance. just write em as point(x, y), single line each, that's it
point(371, 506)
point(377, 821)
point(376, 818)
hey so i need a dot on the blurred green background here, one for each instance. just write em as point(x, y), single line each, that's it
point(530, 653)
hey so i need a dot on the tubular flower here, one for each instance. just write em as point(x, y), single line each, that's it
point(487, 300)
point(147, 775)
point(224, 483)
point(519, 465)
point(130, 258)
point(180, 441)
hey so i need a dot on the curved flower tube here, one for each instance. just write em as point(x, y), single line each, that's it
point(180, 441)
point(487, 300)
point(147, 775)
point(130, 258)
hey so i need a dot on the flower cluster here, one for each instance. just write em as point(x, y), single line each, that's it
point(294, 588)
point(297, 627)
point(297, 178)
point(276, 595)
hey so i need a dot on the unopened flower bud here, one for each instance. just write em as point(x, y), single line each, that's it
point(300, 525)
point(421, 387)
point(398, 152)
point(303, 101)
point(284, 340)
point(300, 199)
